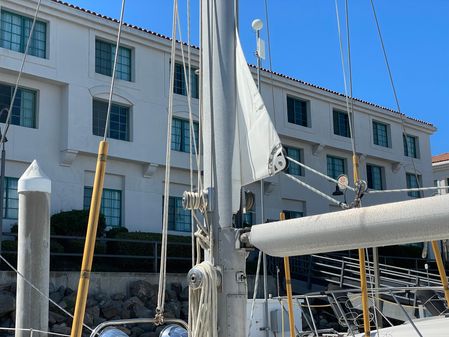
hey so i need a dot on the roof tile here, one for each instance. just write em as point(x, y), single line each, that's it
point(440, 157)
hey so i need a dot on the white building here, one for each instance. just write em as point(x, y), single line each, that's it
point(440, 165)
point(60, 112)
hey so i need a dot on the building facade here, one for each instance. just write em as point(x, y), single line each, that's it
point(440, 165)
point(60, 111)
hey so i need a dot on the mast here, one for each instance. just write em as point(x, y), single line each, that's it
point(219, 111)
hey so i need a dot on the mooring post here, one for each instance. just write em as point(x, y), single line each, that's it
point(33, 254)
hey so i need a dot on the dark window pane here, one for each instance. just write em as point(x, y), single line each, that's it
point(111, 205)
point(118, 121)
point(297, 111)
point(104, 60)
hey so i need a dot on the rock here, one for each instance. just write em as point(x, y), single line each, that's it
point(136, 331)
point(139, 311)
point(141, 289)
point(61, 328)
point(101, 297)
point(6, 287)
point(56, 296)
point(173, 309)
point(91, 301)
point(149, 334)
point(62, 304)
point(131, 302)
point(51, 287)
point(184, 295)
point(171, 295)
point(54, 317)
point(111, 309)
point(177, 287)
point(118, 297)
point(98, 320)
point(93, 311)
point(184, 309)
point(7, 303)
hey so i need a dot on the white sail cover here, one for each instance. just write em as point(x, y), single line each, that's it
point(257, 150)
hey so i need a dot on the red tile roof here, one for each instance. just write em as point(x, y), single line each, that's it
point(266, 70)
point(440, 157)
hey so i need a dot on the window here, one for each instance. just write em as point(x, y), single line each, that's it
point(10, 199)
point(180, 137)
point(410, 146)
point(24, 107)
point(111, 205)
point(15, 31)
point(413, 181)
point(375, 176)
point(292, 214)
point(179, 219)
point(180, 87)
point(380, 134)
point(118, 121)
point(297, 111)
point(104, 60)
point(295, 154)
point(335, 166)
point(341, 124)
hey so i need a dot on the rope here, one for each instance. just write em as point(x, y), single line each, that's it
point(40, 292)
point(114, 68)
point(313, 189)
point(159, 318)
point(19, 76)
point(256, 286)
point(204, 303)
point(317, 172)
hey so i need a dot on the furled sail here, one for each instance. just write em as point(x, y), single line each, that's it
point(257, 147)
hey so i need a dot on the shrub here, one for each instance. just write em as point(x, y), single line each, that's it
point(74, 223)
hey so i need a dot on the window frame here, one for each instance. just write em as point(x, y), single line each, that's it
point(288, 214)
point(345, 170)
point(369, 178)
point(101, 121)
point(413, 194)
point(376, 134)
point(18, 116)
point(336, 114)
point(304, 116)
point(8, 199)
point(33, 50)
point(183, 137)
point(415, 149)
point(292, 166)
point(179, 83)
point(174, 204)
point(87, 201)
point(119, 73)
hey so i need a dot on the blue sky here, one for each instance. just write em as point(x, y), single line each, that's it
point(304, 44)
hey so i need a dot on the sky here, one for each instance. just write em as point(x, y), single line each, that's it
point(305, 45)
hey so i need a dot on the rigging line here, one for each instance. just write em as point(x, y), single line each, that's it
point(114, 69)
point(393, 86)
point(40, 292)
point(317, 172)
point(371, 285)
point(417, 189)
point(313, 189)
point(163, 271)
point(256, 286)
point(270, 62)
point(345, 82)
point(19, 76)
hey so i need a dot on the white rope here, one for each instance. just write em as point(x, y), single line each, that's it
point(163, 266)
point(204, 303)
point(40, 292)
point(317, 172)
point(114, 69)
point(19, 76)
point(256, 286)
point(313, 189)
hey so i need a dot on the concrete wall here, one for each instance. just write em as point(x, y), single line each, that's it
point(64, 145)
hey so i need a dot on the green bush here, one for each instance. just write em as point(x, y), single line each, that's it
point(74, 223)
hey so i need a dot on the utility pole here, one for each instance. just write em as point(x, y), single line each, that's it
point(219, 101)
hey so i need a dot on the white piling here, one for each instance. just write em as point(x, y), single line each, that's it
point(33, 255)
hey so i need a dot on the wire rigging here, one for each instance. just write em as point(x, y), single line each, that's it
point(114, 69)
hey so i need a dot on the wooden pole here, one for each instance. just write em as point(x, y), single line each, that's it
point(362, 266)
point(441, 270)
point(288, 283)
point(89, 246)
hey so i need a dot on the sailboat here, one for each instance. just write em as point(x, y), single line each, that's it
point(241, 146)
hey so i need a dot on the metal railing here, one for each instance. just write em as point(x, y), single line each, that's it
point(115, 250)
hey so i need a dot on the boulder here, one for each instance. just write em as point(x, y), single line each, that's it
point(7, 303)
point(141, 289)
